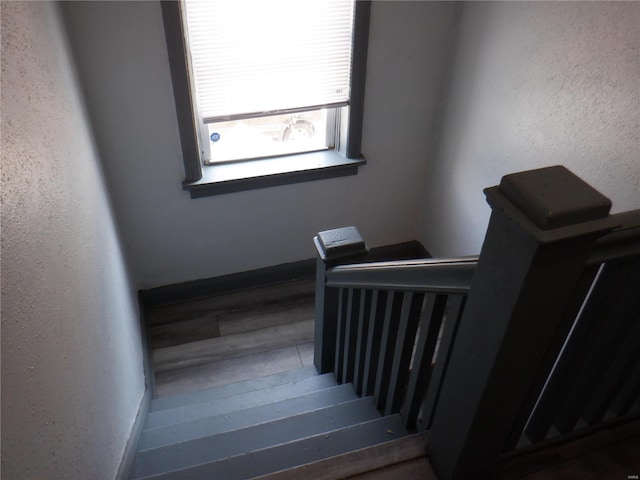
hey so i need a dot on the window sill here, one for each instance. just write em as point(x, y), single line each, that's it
point(270, 172)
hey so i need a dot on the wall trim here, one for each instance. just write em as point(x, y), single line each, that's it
point(145, 337)
point(208, 287)
point(131, 447)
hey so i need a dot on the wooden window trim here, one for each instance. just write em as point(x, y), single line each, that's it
point(216, 179)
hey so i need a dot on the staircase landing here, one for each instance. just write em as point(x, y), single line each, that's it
point(234, 337)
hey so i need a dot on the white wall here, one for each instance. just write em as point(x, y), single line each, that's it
point(122, 59)
point(535, 84)
point(72, 374)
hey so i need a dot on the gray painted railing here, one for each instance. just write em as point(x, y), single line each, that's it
point(542, 338)
point(596, 365)
point(451, 275)
point(389, 319)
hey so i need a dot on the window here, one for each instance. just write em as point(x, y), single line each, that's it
point(269, 76)
point(267, 102)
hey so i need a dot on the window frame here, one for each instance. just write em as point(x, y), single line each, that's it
point(215, 179)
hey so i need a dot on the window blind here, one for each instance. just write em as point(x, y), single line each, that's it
point(257, 57)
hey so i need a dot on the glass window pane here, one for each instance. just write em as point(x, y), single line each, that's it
point(268, 136)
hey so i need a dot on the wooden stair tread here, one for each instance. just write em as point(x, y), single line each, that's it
point(232, 389)
point(217, 448)
point(292, 454)
point(172, 434)
point(251, 398)
point(371, 460)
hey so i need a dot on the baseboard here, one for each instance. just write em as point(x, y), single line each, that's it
point(195, 289)
point(132, 443)
point(208, 287)
point(145, 336)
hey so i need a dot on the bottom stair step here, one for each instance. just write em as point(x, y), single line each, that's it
point(376, 457)
point(173, 434)
point(256, 437)
point(262, 461)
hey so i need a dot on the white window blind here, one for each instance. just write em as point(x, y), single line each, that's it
point(259, 57)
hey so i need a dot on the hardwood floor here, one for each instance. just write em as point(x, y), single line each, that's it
point(416, 469)
point(230, 338)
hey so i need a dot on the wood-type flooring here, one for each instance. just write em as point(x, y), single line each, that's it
point(233, 337)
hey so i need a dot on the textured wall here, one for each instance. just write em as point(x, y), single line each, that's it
point(72, 376)
point(535, 84)
point(123, 64)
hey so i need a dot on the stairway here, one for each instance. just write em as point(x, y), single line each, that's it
point(238, 397)
point(295, 424)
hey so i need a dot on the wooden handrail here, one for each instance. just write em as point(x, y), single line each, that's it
point(623, 241)
point(452, 275)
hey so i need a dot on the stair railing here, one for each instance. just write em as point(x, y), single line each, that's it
point(389, 333)
point(541, 337)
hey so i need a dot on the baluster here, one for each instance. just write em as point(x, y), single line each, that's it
point(405, 340)
point(376, 322)
point(340, 334)
point(586, 334)
point(628, 395)
point(350, 335)
point(576, 303)
point(620, 368)
point(452, 308)
point(387, 344)
point(362, 337)
point(421, 372)
point(619, 312)
point(581, 339)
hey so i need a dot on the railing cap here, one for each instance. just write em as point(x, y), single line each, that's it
point(554, 197)
point(339, 243)
point(552, 204)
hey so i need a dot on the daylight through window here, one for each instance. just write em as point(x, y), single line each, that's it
point(270, 77)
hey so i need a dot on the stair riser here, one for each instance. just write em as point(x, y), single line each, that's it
point(202, 396)
point(164, 436)
point(250, 399)
point(283, 431)
point(293, 454)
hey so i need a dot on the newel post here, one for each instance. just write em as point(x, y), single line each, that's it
point(341, 245)
point(543, 225)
